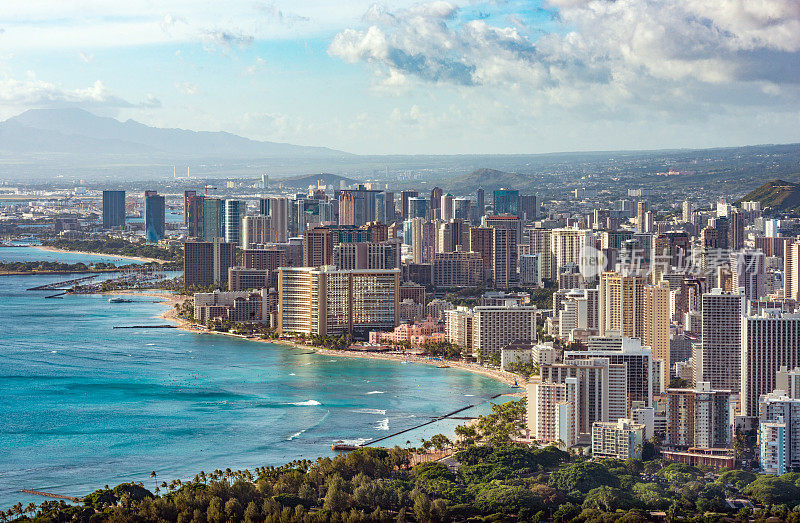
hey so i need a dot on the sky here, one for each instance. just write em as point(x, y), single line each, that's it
point(401, 77)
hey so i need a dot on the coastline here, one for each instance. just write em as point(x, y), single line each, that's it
point(504, 377)
point(134, 258)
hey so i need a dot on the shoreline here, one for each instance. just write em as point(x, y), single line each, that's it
point(123, 256)
point(504, 377)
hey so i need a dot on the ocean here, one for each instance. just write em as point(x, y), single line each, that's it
point(83, 405)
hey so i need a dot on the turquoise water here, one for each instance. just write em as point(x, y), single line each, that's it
point(19, 254)
point(84, 405)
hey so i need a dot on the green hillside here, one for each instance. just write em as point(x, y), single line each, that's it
point(489, 179)
point(778, 195)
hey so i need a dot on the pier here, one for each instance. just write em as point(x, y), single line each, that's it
point(451, 415)
point(49, 495)
point(63, 285)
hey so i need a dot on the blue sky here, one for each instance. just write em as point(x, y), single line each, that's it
point(442, 77)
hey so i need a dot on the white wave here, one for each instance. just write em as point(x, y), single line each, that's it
point(383, 424)
point(356, 441)
point(470, 395)
point(376, 392)
point(307, 403)
point(292, 374)
point(295, 435)
point(150, 344)
point(371, 411)
point(53, 352)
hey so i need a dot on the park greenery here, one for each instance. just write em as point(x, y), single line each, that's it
point(119, 247)
point(49, 266)
point(489, 476)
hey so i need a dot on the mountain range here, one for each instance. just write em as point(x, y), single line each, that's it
point(777, 195)
point(77, 131)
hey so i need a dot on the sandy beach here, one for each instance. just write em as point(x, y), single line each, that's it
point(135, 258)
point(398, 357)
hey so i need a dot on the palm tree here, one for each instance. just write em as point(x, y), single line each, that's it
point(155, 477)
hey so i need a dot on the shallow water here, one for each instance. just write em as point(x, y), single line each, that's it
point(84, 405)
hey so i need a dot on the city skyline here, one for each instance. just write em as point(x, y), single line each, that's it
point(417, 78)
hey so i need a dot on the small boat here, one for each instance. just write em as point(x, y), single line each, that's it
point(443, 366)
point(119, 300)
point(342, 446)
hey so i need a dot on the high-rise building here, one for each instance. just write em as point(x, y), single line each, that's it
point(506, 201)
point(507, 232)
point(404, 197)
point(264, 259)
point(278, 211)
point(417, 208)
point(318, 247)
point(233, 213)
point(719, 361)
point(436, 196)
point(698, 417)
point(447, 210)
point(457, 269)
point(356, 206)
point(769, 342)
point(641, 208)
point(504, 266)
point(207, 263)
point(656, 324)
point(462, 209)
point(325, 301)
point(629, 351)
point(791, 271)
point(574, 246)
point(212, 219)
point(527, 207)
point(390, 210)
point(496, 327)
point(540, 243)
point(600, 392)
point(453, 236)
point(530, 269)
point(480, 203)
point(154, 216)
point(779, 429)
point(482, 241)
point(749, 272)
point(194, 216)
point(256, 230)
point(621, 439)
point(621, 307)
point(113, 209)
point(186, 195)
point(687, 211)
point(367, 255)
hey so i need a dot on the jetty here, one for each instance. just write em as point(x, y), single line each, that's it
point(63, 285)
point(451, 415)
point(49, 495)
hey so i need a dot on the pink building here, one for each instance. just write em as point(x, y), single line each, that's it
point(420, 333)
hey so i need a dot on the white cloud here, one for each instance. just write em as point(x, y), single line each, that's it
point(37, 93)
point(85, 58)
point(611, 52)
point(186, 88)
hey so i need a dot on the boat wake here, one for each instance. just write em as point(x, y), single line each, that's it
point(307, 403)
point(370, 411)
point(376, 392)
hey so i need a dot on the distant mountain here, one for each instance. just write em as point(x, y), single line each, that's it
point(78, 131)
point(777, 195)
point(489, 180)
point(304, 181)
